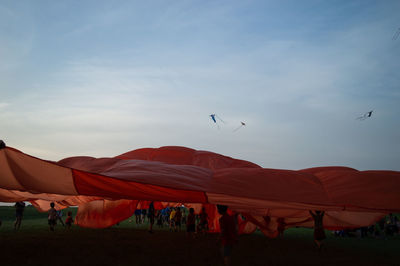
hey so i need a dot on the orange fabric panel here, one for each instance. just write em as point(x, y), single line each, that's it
point(19, 171)
point(97, 185)
point(7, 180)
point(10, 196)
point(104, 213)
point(15, 195)
point(42, 204)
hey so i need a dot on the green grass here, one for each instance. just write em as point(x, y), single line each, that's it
point(129, 244)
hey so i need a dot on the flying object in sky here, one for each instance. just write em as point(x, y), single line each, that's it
point(214, 117)
point(365, 116)
point(396, 35)
point(241, 125)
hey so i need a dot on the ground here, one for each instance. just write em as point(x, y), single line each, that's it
point(130, 244)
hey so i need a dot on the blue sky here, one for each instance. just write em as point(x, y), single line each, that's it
point(100, 78)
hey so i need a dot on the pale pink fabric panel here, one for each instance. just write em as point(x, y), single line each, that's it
point(35, 175)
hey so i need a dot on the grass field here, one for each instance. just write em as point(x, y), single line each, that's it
point(130, 244)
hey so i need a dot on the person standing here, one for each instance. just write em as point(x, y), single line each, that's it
point(52, 218)
point(190, 223)
point(138, 213)
point(281, 226)
point(151, 215)
point(172, 219)
point(202, 227)
point(19, 213)
point(59, 217)
point(69, 220)
point(178, 219)
point(228, 235)
point(319, 232)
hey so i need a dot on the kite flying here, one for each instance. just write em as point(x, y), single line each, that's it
point(365, 116)
point(214, 118)
point(241, 125)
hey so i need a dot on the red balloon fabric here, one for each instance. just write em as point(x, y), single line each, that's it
point(108, 190)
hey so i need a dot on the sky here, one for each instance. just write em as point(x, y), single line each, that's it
point(100, 78)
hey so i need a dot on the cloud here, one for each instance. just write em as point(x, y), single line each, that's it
point(3, 105)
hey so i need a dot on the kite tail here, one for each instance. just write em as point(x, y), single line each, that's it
point(219, 118)
point(236, 129)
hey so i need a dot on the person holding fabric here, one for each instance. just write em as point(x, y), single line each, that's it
point(228, 235)
point(19, 213)
point(319, 232)
point(281, 226)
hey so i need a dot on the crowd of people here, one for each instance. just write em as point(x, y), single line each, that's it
point(385, 227)
point(174, 218)
point(198, 224)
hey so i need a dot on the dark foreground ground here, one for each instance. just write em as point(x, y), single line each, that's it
point(130, 244)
